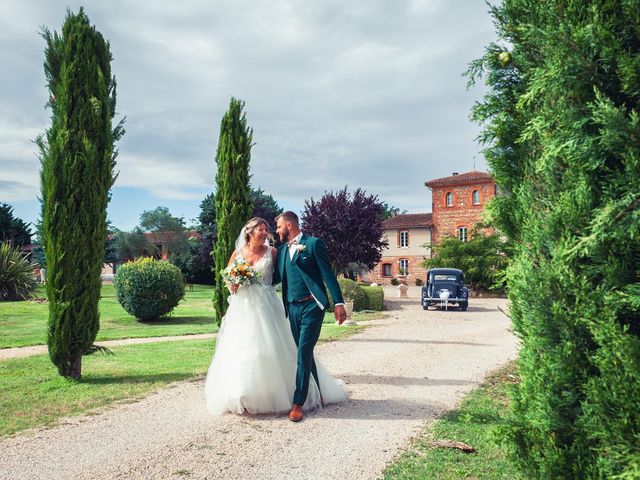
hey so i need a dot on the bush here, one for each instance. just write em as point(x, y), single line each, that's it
point(418, 282)
point(375, 297)
point(16, 274)
point(149, 289)
point(394, 281)
point(484, 259)
point(351, 290)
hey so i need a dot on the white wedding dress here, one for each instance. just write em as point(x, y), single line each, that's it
point(254, 366)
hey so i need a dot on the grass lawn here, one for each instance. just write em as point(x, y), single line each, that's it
point(32, 393)
point(25, 323)
point(472, 423)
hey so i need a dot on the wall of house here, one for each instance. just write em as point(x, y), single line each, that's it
point(463, 213)
point(415, 253)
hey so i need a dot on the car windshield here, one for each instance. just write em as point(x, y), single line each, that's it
point(444, 278)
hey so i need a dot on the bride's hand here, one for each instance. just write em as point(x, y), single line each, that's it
point(234, 288)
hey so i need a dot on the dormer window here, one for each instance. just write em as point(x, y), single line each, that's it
point(449, 199)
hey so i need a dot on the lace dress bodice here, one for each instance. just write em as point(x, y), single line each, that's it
point(264, 268)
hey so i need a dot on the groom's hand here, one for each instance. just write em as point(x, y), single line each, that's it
point(340, 313)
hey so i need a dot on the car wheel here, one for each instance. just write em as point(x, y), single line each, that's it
point(425, 307)
point(463, 306)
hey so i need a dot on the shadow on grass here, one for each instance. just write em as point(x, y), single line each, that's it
point(129, 379)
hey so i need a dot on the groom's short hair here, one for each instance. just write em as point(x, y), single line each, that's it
point(290, 217)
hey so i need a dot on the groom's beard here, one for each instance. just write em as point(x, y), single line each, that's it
point(284, 236)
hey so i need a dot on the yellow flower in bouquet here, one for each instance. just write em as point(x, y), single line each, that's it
point(239, 273)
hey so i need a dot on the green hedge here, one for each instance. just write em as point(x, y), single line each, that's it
point(364, 298)
point(375, 297)
point(149, 289)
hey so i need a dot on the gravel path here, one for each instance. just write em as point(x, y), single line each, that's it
point(401, 374)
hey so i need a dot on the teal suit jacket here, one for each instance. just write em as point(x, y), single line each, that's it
point(315, 270)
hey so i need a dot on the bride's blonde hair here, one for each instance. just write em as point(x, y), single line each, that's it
point(251, 225)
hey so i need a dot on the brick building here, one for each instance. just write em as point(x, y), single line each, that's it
point(458, 203)
point(407, 236)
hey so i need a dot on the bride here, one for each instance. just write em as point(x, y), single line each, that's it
point(254, 366)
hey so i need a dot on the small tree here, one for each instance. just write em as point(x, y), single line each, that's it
point(483, 259)
point(161, 220)
point(350, 225)
point(264, 206)
point(208, 231)
point(391, 211)
point(233, 205)
point(132, 245)
point(78, 158)
point(12, 229)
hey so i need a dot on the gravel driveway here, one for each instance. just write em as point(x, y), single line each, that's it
point(401, 374)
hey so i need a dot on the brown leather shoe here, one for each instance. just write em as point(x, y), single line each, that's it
point(296, 414)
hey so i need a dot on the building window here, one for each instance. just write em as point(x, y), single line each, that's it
point(476, 197)
point(462, 234)
point(386, 269)
point(404, 267)
point(449, 199)
point(404, 239)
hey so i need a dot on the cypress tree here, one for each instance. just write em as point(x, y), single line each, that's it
point(232, 200)
point(562, 130)
point(77, 171)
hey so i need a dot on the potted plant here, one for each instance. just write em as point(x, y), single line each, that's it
point(348, 306)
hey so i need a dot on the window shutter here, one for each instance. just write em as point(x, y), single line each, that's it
point(398, 238)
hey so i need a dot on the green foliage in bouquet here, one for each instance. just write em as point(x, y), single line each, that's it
point(16, 274)
point(149, 289)
point(562, 134)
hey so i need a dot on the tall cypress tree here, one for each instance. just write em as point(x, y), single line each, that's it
point(77, 171)
point(233, 203)
point(562, 129)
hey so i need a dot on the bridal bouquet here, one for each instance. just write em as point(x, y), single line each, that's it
point(239, 273)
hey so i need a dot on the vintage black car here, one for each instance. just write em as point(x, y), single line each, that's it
point(445, 287)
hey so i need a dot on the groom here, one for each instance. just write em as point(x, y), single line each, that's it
point(304, 270)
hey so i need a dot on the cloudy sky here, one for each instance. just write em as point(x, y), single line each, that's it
point(364, 93)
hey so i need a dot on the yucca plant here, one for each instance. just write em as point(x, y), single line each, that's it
point(16, 274)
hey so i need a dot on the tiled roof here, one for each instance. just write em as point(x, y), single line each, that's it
point(409, 220)
point(460, 179)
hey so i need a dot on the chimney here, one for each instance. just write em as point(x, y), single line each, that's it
point(455, 173)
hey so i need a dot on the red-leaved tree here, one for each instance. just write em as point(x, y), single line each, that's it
point(350, 225)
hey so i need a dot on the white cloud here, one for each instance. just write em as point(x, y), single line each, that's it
point(365, 93)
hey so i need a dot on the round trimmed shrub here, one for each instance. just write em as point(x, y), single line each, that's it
point(375, 297)
point(149, 289)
